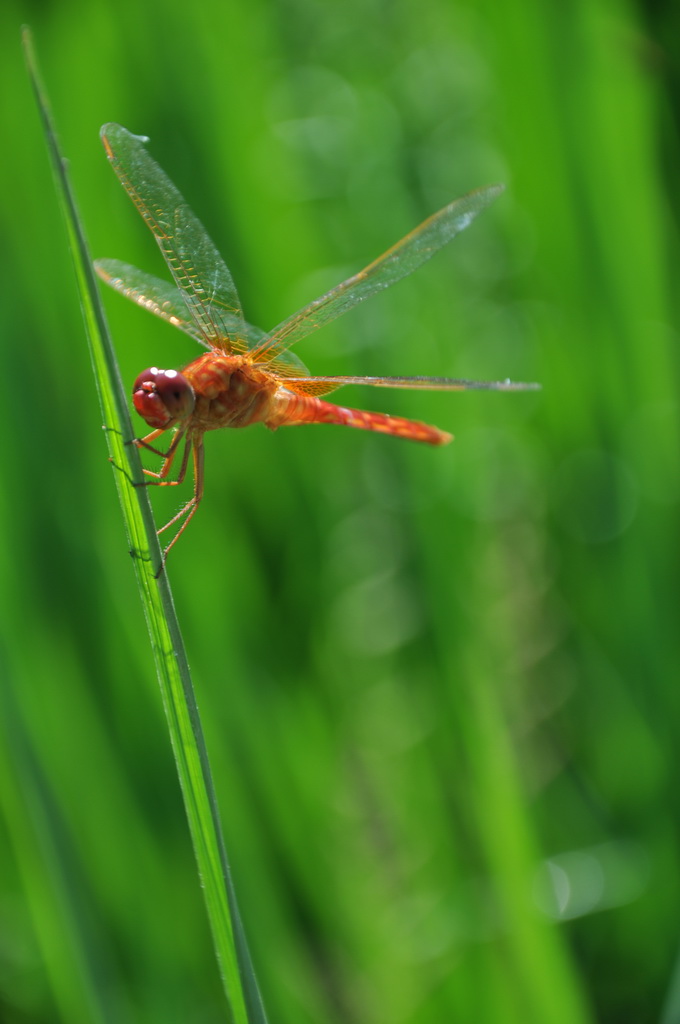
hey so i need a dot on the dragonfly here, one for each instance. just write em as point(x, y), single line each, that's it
point(248, 375)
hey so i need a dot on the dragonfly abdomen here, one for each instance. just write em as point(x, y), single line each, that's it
point(296, 409)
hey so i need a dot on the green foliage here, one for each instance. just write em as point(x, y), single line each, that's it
point(438, 687)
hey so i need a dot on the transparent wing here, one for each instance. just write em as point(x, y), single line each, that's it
point(399, 261)
point(324, 385)
point(199, 271)
point(160, 297)
point(166, 301)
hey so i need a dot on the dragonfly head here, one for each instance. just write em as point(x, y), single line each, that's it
point(163, 397)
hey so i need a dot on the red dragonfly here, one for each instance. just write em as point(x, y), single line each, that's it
point(249, 376)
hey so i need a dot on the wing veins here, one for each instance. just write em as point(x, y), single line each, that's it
point(397, 262)
point(182, 239)
point(324, 385)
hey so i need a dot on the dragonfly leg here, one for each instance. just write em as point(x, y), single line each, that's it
point(143, 442)
point(139, 442)
point(168, 457)
point(160, 479)
point(187, 511)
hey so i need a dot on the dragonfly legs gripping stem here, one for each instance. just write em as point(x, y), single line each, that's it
point(193, 444)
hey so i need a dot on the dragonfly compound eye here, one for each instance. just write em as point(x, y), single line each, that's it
point(162, 397)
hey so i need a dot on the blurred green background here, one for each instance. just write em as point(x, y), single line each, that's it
point(440, 687)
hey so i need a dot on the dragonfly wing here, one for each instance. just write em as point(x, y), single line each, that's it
point(399, 261)
point(287, 365)
point(324, 385)
point(199, 271)
point(161, 298)
point(166, 301)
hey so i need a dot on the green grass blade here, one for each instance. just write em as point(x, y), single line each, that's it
point(186, 733)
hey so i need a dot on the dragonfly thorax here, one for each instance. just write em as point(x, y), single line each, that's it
point(163, 397)
point(230, 391)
